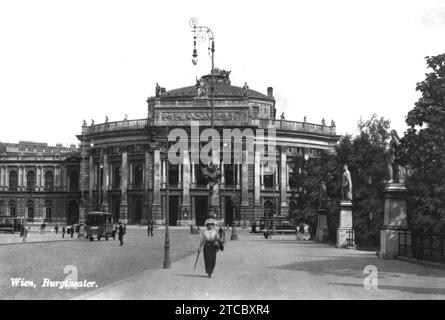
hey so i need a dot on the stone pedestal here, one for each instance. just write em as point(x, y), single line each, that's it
point(345, 234)
point(395, 220)
point(322, 226)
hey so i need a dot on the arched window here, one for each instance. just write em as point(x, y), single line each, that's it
point(229, 173)
point(13, 180)
point(31, 180)
point(173, 175)
point(48, 210)
point(30, 209)
point(268, 209)
point(117, 177)
point(138, 176)
point(12, 208)
point(49, 180)
point(74, 180)
point(268, 180)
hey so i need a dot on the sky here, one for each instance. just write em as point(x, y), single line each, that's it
point(65, 61)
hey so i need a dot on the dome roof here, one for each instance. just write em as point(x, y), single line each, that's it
point(223, 89)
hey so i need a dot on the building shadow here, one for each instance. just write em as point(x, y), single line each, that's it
point(352, 266)
point(188, 275)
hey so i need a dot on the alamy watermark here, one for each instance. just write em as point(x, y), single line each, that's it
point(257, 146)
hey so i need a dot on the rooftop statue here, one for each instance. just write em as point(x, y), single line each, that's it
point(245, 89)
point(157, 90)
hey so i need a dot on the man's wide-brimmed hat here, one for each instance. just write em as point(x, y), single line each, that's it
point(210, 221)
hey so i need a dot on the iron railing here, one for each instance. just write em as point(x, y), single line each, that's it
point(422, 246)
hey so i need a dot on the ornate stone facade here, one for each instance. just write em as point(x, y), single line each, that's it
point(124, 169)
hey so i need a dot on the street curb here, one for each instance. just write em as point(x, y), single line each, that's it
point(30, 242)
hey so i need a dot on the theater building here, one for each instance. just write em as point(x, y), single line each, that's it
point(122, 166)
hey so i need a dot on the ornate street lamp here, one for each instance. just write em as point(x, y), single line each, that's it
point(202, 33)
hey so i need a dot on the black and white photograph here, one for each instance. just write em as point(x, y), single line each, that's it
point(242, 152)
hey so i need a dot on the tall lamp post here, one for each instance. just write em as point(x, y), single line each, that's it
point(167, 262)
point(203, 33)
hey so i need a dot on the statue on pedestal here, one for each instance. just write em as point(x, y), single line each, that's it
point(346, 185)
point(396, 172)
point(323, 195)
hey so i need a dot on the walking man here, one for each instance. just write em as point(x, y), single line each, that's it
point(63, 232)
point(121, 233)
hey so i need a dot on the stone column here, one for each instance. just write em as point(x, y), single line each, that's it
point(283, 182)
point(257, 187)
point(25, 178)
point(223, 179)
point(186, 213)
point(193, 177)
point(131, 174)
point(106, 179)
point(164, 173)
point(395, 220)
point(244, 181)
point(43, 178)
point(2, 178)
point(237, 175)
point(91, 184)
point(156, 205)
point(124, 183)
point(262, 176)
point(275, 176)
point(287, 177)
point(6, 179)
point(146, 208)
point(345, 226)
point(56, 178)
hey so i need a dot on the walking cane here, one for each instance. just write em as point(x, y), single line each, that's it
point(199, 251)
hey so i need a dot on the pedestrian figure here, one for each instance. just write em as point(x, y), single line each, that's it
point(152, 224)
point(148, 228)
point(209, 243)
point(221, 234)
point(63, 232)
point(267, 233)
point(121, 233)
point(72, 231)
point(56, 228)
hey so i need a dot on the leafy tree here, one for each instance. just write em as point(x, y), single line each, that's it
point(365, 155)
point(422, 149)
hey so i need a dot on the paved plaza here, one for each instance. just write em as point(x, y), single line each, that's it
point(250, 268)
point(282, 268)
